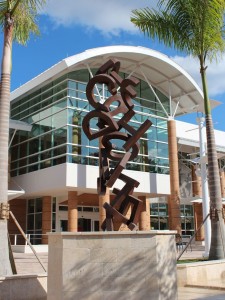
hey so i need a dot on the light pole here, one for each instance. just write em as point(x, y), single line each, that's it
point(205, 191)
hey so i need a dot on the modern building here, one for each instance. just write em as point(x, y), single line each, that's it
point(56, 166)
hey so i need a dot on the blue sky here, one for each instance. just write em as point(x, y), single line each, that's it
point(69, 27)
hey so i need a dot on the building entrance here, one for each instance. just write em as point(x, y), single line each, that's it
point(88, 218)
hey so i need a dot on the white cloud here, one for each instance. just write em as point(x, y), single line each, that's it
point(112, 16)
point(108, 16)
point(215, 73)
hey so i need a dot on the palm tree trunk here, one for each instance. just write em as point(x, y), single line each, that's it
point(217, 248)
point(5, 268)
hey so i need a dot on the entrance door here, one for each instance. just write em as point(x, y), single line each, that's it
point(88, 225)
point(64, 225)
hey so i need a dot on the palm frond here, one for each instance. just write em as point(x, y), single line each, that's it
point(194, 27)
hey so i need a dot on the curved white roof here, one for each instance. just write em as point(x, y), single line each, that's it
point(161, 72)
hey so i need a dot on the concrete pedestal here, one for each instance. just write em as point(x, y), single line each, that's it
point(112, 265)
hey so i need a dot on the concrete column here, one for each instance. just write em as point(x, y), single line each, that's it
point(144, 222)
point(72, 211)
point(222, 183)
point(198, 217)
point(46, 217)
point(196, 183)
point(173, 199)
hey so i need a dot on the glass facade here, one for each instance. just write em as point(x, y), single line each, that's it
point(159, 216)
point(56, 112)
point(34, 220)
point(187, 219)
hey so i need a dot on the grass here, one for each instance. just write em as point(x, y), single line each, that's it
point(186, 261)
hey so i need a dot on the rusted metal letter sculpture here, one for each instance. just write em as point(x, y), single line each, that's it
point(110, 128)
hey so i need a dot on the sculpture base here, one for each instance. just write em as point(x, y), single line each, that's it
point(112, 265)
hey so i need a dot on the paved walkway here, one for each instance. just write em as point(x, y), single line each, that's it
point(28, 264)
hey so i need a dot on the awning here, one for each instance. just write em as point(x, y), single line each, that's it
point(19, 125)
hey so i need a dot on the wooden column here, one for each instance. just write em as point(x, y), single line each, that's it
point(222, 183)
point(144, 222)
point(198, 213)
point(46, 217)
point(196, 183)
point(72, 211)
point(173, 199)
point(198, 217)
point(102, 198)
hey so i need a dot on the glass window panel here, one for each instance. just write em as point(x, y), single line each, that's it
point(30, 206)
point(46, 143)
point(45, 113)
point(163, 162)
point(34, 146)
point(154, 223)
point(162, 135)
point(72, 84)
point(53, 204)
point(59, 160)
point(38, 221)
point(23, 149)
point(60, 136)
point(87, 208)
point(30, 222)
point(38, 206)
point(59, 106)
point(22, 171)
point(162, 149)
point(81, 75)
point(163, 223)
point(59, 150)
point(59, 119)
point(94, 152)
point(33, 168)
point(22, 162)
point(33, 159)
point(77, 160)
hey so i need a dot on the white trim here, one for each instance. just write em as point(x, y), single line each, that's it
point(131, 59)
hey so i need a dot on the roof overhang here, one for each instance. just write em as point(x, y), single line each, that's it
point(14, 194)
point(162, 72)
point(19, 125)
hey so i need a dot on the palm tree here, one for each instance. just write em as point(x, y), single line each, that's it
point(18, 20)
point(195, 28)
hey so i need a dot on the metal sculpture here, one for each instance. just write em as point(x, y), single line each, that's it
point(110, 129)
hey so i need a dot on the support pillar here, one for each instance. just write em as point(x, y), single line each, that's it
point(198, 217)
point(222, 183)
point(102, 212)
point(72, 211)
point(46, 217)
point(144, 222)
point(173, 199)
point(198, 214)
point(196, 183)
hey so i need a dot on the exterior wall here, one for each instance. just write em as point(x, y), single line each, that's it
point(18, 208)
point(84, 178)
